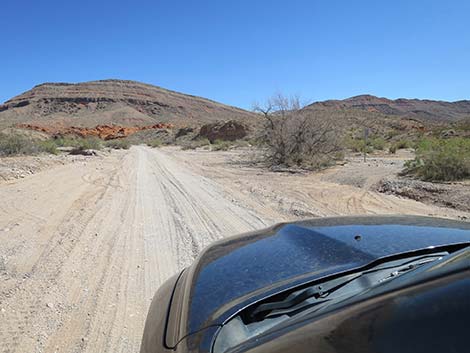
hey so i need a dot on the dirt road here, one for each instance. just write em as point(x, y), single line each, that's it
point(84, 246)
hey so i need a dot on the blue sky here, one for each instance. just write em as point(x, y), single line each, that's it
point(240, 51)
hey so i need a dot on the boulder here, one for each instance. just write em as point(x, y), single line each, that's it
point(184, 131)
point(226, 131)
point(83, 152)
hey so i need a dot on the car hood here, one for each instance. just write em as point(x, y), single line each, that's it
point(233, 273)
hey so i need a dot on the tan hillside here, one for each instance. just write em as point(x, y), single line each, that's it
point(426, 110)
point(112, 102)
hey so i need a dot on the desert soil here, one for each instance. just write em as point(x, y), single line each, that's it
point(84, 245)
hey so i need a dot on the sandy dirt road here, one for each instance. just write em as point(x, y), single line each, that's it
point(84, 246)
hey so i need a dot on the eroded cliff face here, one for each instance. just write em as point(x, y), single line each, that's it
point(112, 102)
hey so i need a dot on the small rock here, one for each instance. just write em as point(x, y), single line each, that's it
point(50, 305)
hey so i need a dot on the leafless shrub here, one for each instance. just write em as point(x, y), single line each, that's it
point(298, 137)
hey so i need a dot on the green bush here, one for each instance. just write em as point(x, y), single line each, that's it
point(118, 144)
point(15, 144)
point(441, 159)
point(65, 142)
point(377, 143)
point(398, 145)
point(220, 145)
point(155, 143)
point(392, 133)
point(464, 125)
point(358, 145)
point(47, 146)
point(193, 144)
point(89, 143)
point(82, 143)
point(256, 141)
point(11, 145)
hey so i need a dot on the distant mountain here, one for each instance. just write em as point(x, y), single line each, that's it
point(428, 110)
point(120, 102)
point(136, 104)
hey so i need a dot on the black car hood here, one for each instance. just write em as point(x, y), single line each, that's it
point(234, 273)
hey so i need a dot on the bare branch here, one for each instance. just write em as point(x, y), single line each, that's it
point(298, 136)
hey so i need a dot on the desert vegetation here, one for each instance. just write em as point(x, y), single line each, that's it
point(118, 144)
point(16, 144)
point(154, 143)
point(359, 144)
point(82, 143)
point(441, 159)
point(296, 137)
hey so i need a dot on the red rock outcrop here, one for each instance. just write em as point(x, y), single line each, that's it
point(105, 132)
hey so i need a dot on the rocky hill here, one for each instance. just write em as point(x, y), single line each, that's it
point(120, 105)
point(425, 110)
point(113, 102)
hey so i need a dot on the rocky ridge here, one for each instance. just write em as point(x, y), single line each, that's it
point(427, 110)
point(113, 102)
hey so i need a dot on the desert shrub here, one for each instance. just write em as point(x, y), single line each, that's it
point(441, 159)
point(118, 144)
point(193, 144)
point(392, 133)
point(358, 145)
point(465, 124)
point(64, 141)
point(298, 137)
point(154, 143)
point(14, 144)
point(256, 141)
point(47, 146)
point(220, 145)
point(377, 143)
point(89, 143)
point(400, 144)
point(81, 143)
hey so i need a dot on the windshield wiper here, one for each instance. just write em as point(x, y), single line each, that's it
point(323, 294)
point(319, 292)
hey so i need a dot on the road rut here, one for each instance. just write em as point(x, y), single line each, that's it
point(84, 247)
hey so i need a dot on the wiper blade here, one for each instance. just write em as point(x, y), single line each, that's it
point(319, 292)
point(318, 295)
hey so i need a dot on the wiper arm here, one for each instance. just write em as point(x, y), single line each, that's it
point(319, 292)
